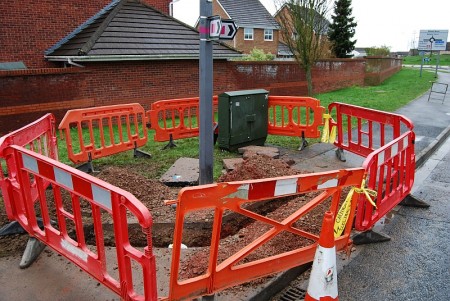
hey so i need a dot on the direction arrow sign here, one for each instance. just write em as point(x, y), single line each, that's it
point(229, 30)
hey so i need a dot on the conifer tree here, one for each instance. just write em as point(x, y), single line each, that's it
point(342, 29)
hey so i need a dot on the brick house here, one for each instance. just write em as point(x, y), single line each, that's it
point(257, 27)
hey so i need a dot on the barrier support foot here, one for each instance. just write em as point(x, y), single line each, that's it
point(12, 228)
point(304, 143)
point(209, 298)
point(171, 144)
point(369, 237)
point(33, 249)
point(412, 201)
point(340, 154)
point(137, 153)
point(87, 167)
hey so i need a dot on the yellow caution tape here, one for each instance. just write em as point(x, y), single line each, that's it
point(344, 212)
point(327, 136)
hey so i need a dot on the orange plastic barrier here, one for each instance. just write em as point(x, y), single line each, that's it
point(362, 140)
point(390, 171)
point(112, 129)
point(176, 118)
point(74, 195)
point(233, 197)
point(295, 116)
point(40, 137)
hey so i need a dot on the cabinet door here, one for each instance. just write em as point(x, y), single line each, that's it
point(241, 119)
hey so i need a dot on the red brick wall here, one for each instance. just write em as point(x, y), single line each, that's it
point(287, 78)
point(28, 28)
point(378, 69)
point(28, 94)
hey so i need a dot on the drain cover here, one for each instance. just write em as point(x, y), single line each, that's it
point(293, 294)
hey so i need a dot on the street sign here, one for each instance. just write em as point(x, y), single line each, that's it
point(229, 30)
point(433, 40)
point(215, 25)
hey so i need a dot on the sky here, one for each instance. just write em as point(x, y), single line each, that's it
point(392, 23)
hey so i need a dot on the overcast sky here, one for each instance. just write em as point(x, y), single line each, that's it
point(393, 23)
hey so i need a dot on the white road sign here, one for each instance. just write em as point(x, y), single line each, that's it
point(229, 30)
point(433, 40)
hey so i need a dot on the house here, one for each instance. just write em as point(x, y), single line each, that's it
point(257, 28)
point(129, 30)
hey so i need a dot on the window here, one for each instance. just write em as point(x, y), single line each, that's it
point(268, 34)
point(248, 33)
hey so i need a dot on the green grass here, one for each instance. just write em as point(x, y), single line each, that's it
point(444, 60)
point(392, 94)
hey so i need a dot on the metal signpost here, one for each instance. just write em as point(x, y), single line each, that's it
point(430, 40)
point(211, 28)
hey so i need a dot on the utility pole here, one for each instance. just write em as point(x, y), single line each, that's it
point(206, 94)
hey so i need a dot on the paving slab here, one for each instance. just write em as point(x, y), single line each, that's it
point(231, 163)
point(184, 172)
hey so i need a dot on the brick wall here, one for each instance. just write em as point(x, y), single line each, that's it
point(286, 78)
point(28, 94)
point(378, 69)
point(28, 28)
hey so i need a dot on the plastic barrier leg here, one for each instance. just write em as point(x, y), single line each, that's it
point(304, 143)
point(137, 153)
point(12, 228)
point(412, 201)
point(369, 237)
point(340, 154)
point(87, 167)
point(323, 280)
point(33, 249)
point(171, 144)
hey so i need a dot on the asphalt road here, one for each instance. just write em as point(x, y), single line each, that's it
point(415, 264)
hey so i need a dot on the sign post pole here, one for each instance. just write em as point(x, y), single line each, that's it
point(206, 154)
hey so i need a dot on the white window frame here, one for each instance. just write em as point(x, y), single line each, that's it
point(248, 34)
point(268, 33)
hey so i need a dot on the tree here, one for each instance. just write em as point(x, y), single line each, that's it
point(303, 28)
point(342, 29)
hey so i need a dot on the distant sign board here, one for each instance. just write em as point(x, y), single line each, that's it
point(435, 40)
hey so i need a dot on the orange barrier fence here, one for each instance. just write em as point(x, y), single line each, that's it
point(362, 140)
point(295, 116)
point(38, 136)
point(390, 171)
point(176, 118)
point(233, 197)
point(75, 201)
point(111, 130)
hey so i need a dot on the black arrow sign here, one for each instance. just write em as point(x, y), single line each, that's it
point(229, 30)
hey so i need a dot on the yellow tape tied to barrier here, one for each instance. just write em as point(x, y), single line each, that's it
point(327, 135)
point(344, 212)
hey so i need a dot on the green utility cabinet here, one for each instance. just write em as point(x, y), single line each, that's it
point(242, 118)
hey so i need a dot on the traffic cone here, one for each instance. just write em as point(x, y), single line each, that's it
point(323, 279)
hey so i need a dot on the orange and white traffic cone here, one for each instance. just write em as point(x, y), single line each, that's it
point(323, 279)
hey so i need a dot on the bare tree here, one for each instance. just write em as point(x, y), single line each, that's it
point(303, 28)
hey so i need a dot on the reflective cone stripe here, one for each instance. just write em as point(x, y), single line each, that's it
point(323, 280)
